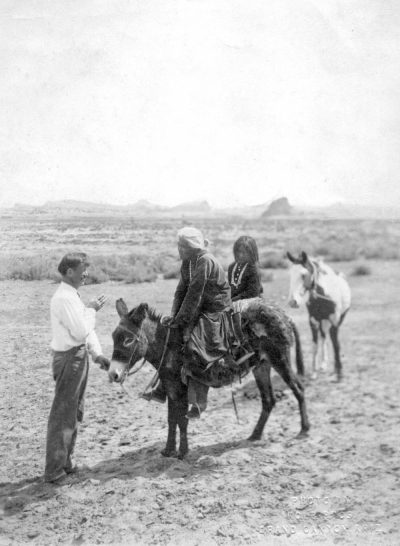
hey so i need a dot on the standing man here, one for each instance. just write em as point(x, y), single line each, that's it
point(73, 339)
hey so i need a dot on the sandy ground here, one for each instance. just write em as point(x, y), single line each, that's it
point(340, 485)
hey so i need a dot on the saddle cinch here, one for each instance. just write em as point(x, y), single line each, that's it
point(235, 364)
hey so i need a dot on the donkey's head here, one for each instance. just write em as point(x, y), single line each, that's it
point(302, 278)
point(130, 340)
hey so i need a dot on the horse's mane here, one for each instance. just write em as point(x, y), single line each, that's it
point(322, 267)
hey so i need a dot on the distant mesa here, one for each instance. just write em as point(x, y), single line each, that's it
point(278, 207)
point(201, 209)
point(193, 206)
point(73, 205)
point(141, 207)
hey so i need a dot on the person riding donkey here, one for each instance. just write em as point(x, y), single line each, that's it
point(201, 302)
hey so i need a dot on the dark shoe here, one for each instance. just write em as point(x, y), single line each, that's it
point(153, 395)
point(64, 479)
point(74, 469)
point(194, 412)
point(71, 469)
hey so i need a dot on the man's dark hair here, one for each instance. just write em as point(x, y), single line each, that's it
point(249, 244)
point(72, 260)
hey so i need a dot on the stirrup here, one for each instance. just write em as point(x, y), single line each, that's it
point(149, 396)
point(244, 358)
point(194, 412)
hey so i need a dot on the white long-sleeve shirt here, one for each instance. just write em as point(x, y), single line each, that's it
point(72, 323)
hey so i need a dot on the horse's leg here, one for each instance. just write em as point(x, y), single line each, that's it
point(334, 333)
point(314, 332)
point(170, 447)
point(262, 374)
point(325, 328)
point(282, 365)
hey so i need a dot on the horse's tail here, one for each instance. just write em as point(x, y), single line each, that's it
point(299, 352)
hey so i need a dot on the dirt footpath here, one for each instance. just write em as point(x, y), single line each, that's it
point(339, 485)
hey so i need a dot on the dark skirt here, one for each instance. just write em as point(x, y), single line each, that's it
point(209, 338)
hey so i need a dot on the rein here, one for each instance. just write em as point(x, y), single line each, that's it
point(135, 343)
point(154, 379)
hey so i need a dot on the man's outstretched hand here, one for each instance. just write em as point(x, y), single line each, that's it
point(103, 361)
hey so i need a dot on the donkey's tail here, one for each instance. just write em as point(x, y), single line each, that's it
point(299, 352)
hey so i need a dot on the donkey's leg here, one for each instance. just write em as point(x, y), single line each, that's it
point(334, 331)
point(262, 374)
point(282, 365)
point(181, 410)
point(314, 332)
point(170, 447)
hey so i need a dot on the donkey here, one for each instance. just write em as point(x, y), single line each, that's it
point(329, 299)
point(141, 334)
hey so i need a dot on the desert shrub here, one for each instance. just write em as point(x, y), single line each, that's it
point(273, 260)
point(173, 273)
point(342, 252)
point(267, 276)
point(111, 267)
point(375, 250)
point(140, 273)
point(96, 276)
point(31, 268)
point(321, 250)
point(165, 262)
point(360, 270)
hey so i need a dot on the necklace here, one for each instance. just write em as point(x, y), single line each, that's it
point(237, 274)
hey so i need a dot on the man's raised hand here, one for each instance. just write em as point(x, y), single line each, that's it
point(97, 303)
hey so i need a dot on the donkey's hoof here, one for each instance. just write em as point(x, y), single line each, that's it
point(254, 438)
point(169, 453)
point(182, 455)
point(302, 434)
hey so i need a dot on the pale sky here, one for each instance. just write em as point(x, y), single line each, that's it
point(233, 101)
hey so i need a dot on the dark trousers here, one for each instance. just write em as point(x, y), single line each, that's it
point(70, 372)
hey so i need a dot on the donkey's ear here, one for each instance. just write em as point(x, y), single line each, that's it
point(138, 314)
point(292, 258)
point(121, 307)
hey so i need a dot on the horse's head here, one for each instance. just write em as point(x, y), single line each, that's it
point(130, 340)
point(302, 278)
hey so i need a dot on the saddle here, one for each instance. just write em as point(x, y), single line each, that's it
point(235, 364)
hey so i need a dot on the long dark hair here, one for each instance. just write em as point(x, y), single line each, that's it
point(250, 245)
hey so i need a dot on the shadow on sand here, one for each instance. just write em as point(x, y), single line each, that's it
point(144, 462)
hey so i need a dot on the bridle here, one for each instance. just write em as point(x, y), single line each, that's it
point(134, 344)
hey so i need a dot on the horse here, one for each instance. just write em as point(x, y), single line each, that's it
point(328, 298)
point(141, 334)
